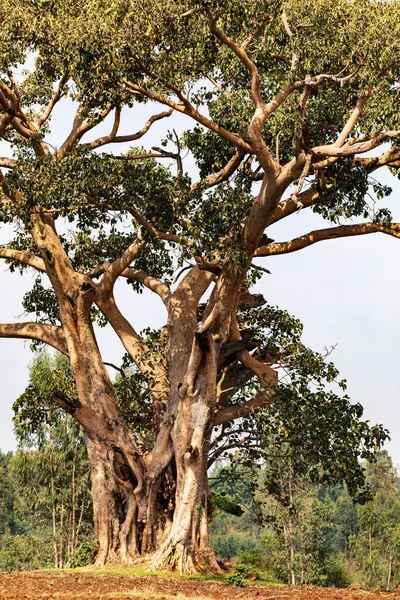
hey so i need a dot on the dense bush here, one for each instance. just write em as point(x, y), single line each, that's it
point(84, 554)
point(238, 576)
point(23, 552)
point(337, 574)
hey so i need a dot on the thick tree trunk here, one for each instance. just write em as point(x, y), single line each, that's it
point(120, 486)
point(128, 521)
point(132, 494)
point(187, 547)
point(114, 506)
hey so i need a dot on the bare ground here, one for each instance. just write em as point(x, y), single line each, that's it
point(91, 586)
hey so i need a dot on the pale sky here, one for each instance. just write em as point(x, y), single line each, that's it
point(346, 292)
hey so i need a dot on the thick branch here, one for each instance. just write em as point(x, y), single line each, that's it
point(188, 109)
point(49, 334)
point(355, 115)
point(242, 56)
point(8, 163)
point(237, 411)
point(160, 235)
point(260, 115)
point(107, 139)
point(79, 128)
point(116, 268)
point(223, 174)
point(24, 257)
point(153, 284)
point(134, 345)
point(290, 205)
point(268, 377)
point(10, 102)
point(356, 146)
point(390, 158)
point(5, 121)
point(327, 234)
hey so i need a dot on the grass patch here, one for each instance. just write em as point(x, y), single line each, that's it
point(137, 571)
point(267, 583)
point(142, 572)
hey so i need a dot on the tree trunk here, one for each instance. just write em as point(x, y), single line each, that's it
point(389, 577)
point(53, 516)
point(187, 548)
point(128, 489)
point(73, 501)
point(114, 506)
point(61, 536)
point(129, 517)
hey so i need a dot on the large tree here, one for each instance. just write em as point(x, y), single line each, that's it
point(281, 94)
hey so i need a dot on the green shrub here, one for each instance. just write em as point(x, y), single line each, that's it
point(238, 576)
point(84, 554)
point(336, 572)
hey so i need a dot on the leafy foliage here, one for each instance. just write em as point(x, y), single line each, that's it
point(84, 554)
point(336, 541)
point(237, 577)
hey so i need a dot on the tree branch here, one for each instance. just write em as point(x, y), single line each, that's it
point(8, 163)
point(188, 109)
point(10, 103)
point(160, 235)
point(290, 205)
point(24, 257)
point(116, 268)
point(268, 377)
point(113, 138)
point(134, 345)
point(242, 56)
point(158, 287)
point(258, 144)
point(355, 115)
point(327, 234)
point(237, 411)
point(356, 146)
point(223, 174)
point(153, 284)
point(49, 334)
point(56, 97)
point(79, 128)
point(390, 158)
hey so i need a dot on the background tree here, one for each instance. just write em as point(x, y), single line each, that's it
point(308, 441)
point(50, 472)
point(284, 95)
point(7, 515)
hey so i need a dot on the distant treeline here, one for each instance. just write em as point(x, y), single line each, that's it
point(302, 533)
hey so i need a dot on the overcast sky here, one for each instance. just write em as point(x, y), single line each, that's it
point(346, 292)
